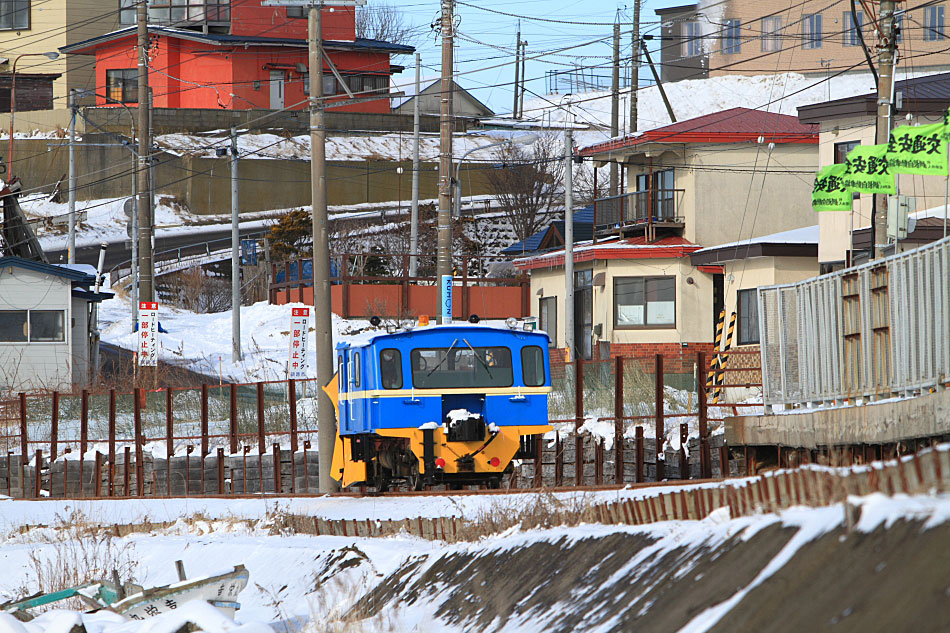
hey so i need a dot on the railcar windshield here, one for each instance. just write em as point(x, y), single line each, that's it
point(461, 366)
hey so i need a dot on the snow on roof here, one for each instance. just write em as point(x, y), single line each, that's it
point(804, 235)
point(632, 248)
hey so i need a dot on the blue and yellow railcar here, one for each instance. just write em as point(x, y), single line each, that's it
point(438, 405)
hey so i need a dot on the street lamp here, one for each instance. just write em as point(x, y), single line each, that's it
point(524, 139)
point(51, 55)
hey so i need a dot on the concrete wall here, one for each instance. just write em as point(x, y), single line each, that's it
point(193, 120)
point(203, 184)
point(29, 366)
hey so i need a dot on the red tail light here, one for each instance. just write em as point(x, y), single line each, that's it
point(439, 463)
point(494, 462)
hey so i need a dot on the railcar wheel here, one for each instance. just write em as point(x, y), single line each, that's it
point(494, 483)
point(382, 479)
point(414, 481)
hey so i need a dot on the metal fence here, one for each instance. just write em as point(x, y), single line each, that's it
point(874, 331)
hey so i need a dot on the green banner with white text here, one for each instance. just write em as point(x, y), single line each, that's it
point(829, 193)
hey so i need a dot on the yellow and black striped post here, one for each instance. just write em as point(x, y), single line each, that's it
point(715, 361)
point(723, 360)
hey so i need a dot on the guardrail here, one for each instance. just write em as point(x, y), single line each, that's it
point(180, 256)
point(873, 331)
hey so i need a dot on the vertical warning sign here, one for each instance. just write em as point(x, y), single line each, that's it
point(297, 361)
point(148, 334)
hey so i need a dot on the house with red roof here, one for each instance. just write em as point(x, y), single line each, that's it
point(241, 56)
point(715, 179)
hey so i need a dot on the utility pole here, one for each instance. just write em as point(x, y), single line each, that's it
point(885, 96)
point(524, 54)
point(444, 258)
point(144, 235)
point(414, 210)
point(71, 246)
point(323, 323)
point(615, 108)
point(517, 90)
point(634, 65)
point(569, 239)
point(235, 255)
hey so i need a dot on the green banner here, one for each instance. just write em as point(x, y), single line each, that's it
point(867, 170)
point(829, 193)
point(920, 149)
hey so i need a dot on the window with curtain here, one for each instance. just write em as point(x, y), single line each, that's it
point(692, 39)
point(731, 37)
point(933, 23)
point(748, 317)
point(547, 318)
point(643, 302)
point(771, 34)
point(852, 23)
point(122, 85)
point(171, 11)
point(811, 31)
point(14, 15)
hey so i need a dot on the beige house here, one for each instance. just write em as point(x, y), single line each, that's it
point(811, 37)
point(846, 123)
point(32, 28)
point(716, 179)
point(430, 100)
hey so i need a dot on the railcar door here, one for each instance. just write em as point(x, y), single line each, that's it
point(344, 388)
point(357, 387)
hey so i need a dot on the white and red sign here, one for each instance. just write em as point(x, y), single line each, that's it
point(148, 334)
point(299, 326)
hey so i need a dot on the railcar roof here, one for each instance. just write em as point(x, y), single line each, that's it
point(366, 338)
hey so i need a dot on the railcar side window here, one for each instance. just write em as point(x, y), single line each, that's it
point(532, 366)
point(461, 366)
point(356, 369)
point(390, 368)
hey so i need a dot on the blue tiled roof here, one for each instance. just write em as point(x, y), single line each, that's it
point(583, 231)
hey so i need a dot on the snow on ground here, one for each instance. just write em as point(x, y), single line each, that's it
point(295, 587)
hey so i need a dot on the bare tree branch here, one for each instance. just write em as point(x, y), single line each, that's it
point(385, 22)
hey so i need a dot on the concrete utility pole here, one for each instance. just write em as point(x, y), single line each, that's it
point(144, 234)
point(634, 65)
point(885, 94)
point(235, 255)
point(569, 239)
point(615, 108)
point(517, 90)
point(524, 54)
point(444, 258)
point(323, 323)
point(71, 245)
point(414, 210)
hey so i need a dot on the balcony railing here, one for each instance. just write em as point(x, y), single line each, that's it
point(660, 207)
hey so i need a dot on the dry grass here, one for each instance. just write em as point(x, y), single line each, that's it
point(527, 512)
point(74, 552)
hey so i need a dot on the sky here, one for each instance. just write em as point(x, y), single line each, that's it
point(485, 48)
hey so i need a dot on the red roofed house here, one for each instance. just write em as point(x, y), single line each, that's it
point(711, 180)
point(239, 56)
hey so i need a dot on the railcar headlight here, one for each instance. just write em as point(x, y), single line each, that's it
point(511, 322)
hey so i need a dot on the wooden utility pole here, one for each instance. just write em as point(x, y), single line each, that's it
point(326, 420)
point(414, 210)
point(887, 45)
point(634, 65)
point(517, 90)
point(615, 108)
point(144, 234)
point(444, 256)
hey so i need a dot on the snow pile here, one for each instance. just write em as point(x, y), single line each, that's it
point(200, 615)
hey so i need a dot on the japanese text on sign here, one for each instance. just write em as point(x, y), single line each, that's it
point(147, 333)
point(297, 359)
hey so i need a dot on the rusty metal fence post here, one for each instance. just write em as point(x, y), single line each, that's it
point(232, 427)
point(83, 435)
point(24, 441)
point(578, 421)
point(618, 419)
point(139, 441)
point(260, 422)
point(111, 468)
point(705, 468)
point(638, 447)
point(204, 419)
point(292, 403)
point(660, 430)
point(54, 427)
